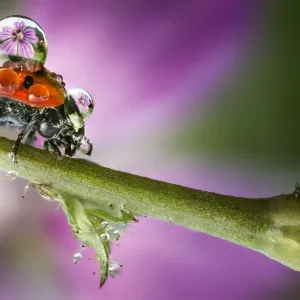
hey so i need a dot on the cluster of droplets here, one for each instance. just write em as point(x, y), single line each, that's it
point(109, 232)
point(58, 78)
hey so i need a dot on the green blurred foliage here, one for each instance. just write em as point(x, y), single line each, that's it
point(254, 116)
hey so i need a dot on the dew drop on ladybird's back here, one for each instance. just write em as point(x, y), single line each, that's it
point(23, 44)
point(77, 258)
point(11, 175)
point(59, 78)
point(38, 93)
point(9, 81)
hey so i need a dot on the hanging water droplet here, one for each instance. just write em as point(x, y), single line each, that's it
point(77, 258)
point(38, 93)
point(26, 189)
point(104, 237)
point(85, 146)
point(11, 175)
point(120, 227)
point(116, 235)
point(114, 269)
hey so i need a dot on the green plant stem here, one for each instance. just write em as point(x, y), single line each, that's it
point(269, 225)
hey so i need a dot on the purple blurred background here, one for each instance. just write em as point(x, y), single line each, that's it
point(172, 83)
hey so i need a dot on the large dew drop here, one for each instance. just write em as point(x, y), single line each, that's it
point(104, 225)
point(83, 101)
point(23, 44)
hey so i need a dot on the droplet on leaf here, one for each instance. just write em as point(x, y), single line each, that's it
point(104, 237)
point(83, 100)
point(104, 225)
point(11, 175)
point(116, 235)
point(77, 258)
point(114, 269)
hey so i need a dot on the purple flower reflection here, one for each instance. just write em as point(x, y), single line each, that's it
point(82, 101)
point(18, 40)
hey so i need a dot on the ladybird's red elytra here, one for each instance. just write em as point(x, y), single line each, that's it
point(44, 92)
point(34, 99)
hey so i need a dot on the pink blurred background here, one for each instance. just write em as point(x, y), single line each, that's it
point(164, 76)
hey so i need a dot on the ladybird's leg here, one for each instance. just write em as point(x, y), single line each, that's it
point(70, 148)
point(31, 127)
point(31, 138)
point(50, 144)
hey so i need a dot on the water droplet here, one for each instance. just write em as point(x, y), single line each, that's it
point(85, 146)
point(104, 225)
point(22, 29)
point(26, 189)
point(38, 93)
point(77, 258)
point(104, 237)
point(114, 269)
point(59, 78)
point(9, 81)
point(116, 235)
point(83, 100)
point(11, 175)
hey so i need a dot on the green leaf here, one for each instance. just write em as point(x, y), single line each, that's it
point(85, 223)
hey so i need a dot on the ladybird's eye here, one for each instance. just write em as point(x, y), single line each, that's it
point(28, 81)
point(83, 101)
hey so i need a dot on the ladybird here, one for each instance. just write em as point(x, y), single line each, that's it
point(35, 100)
